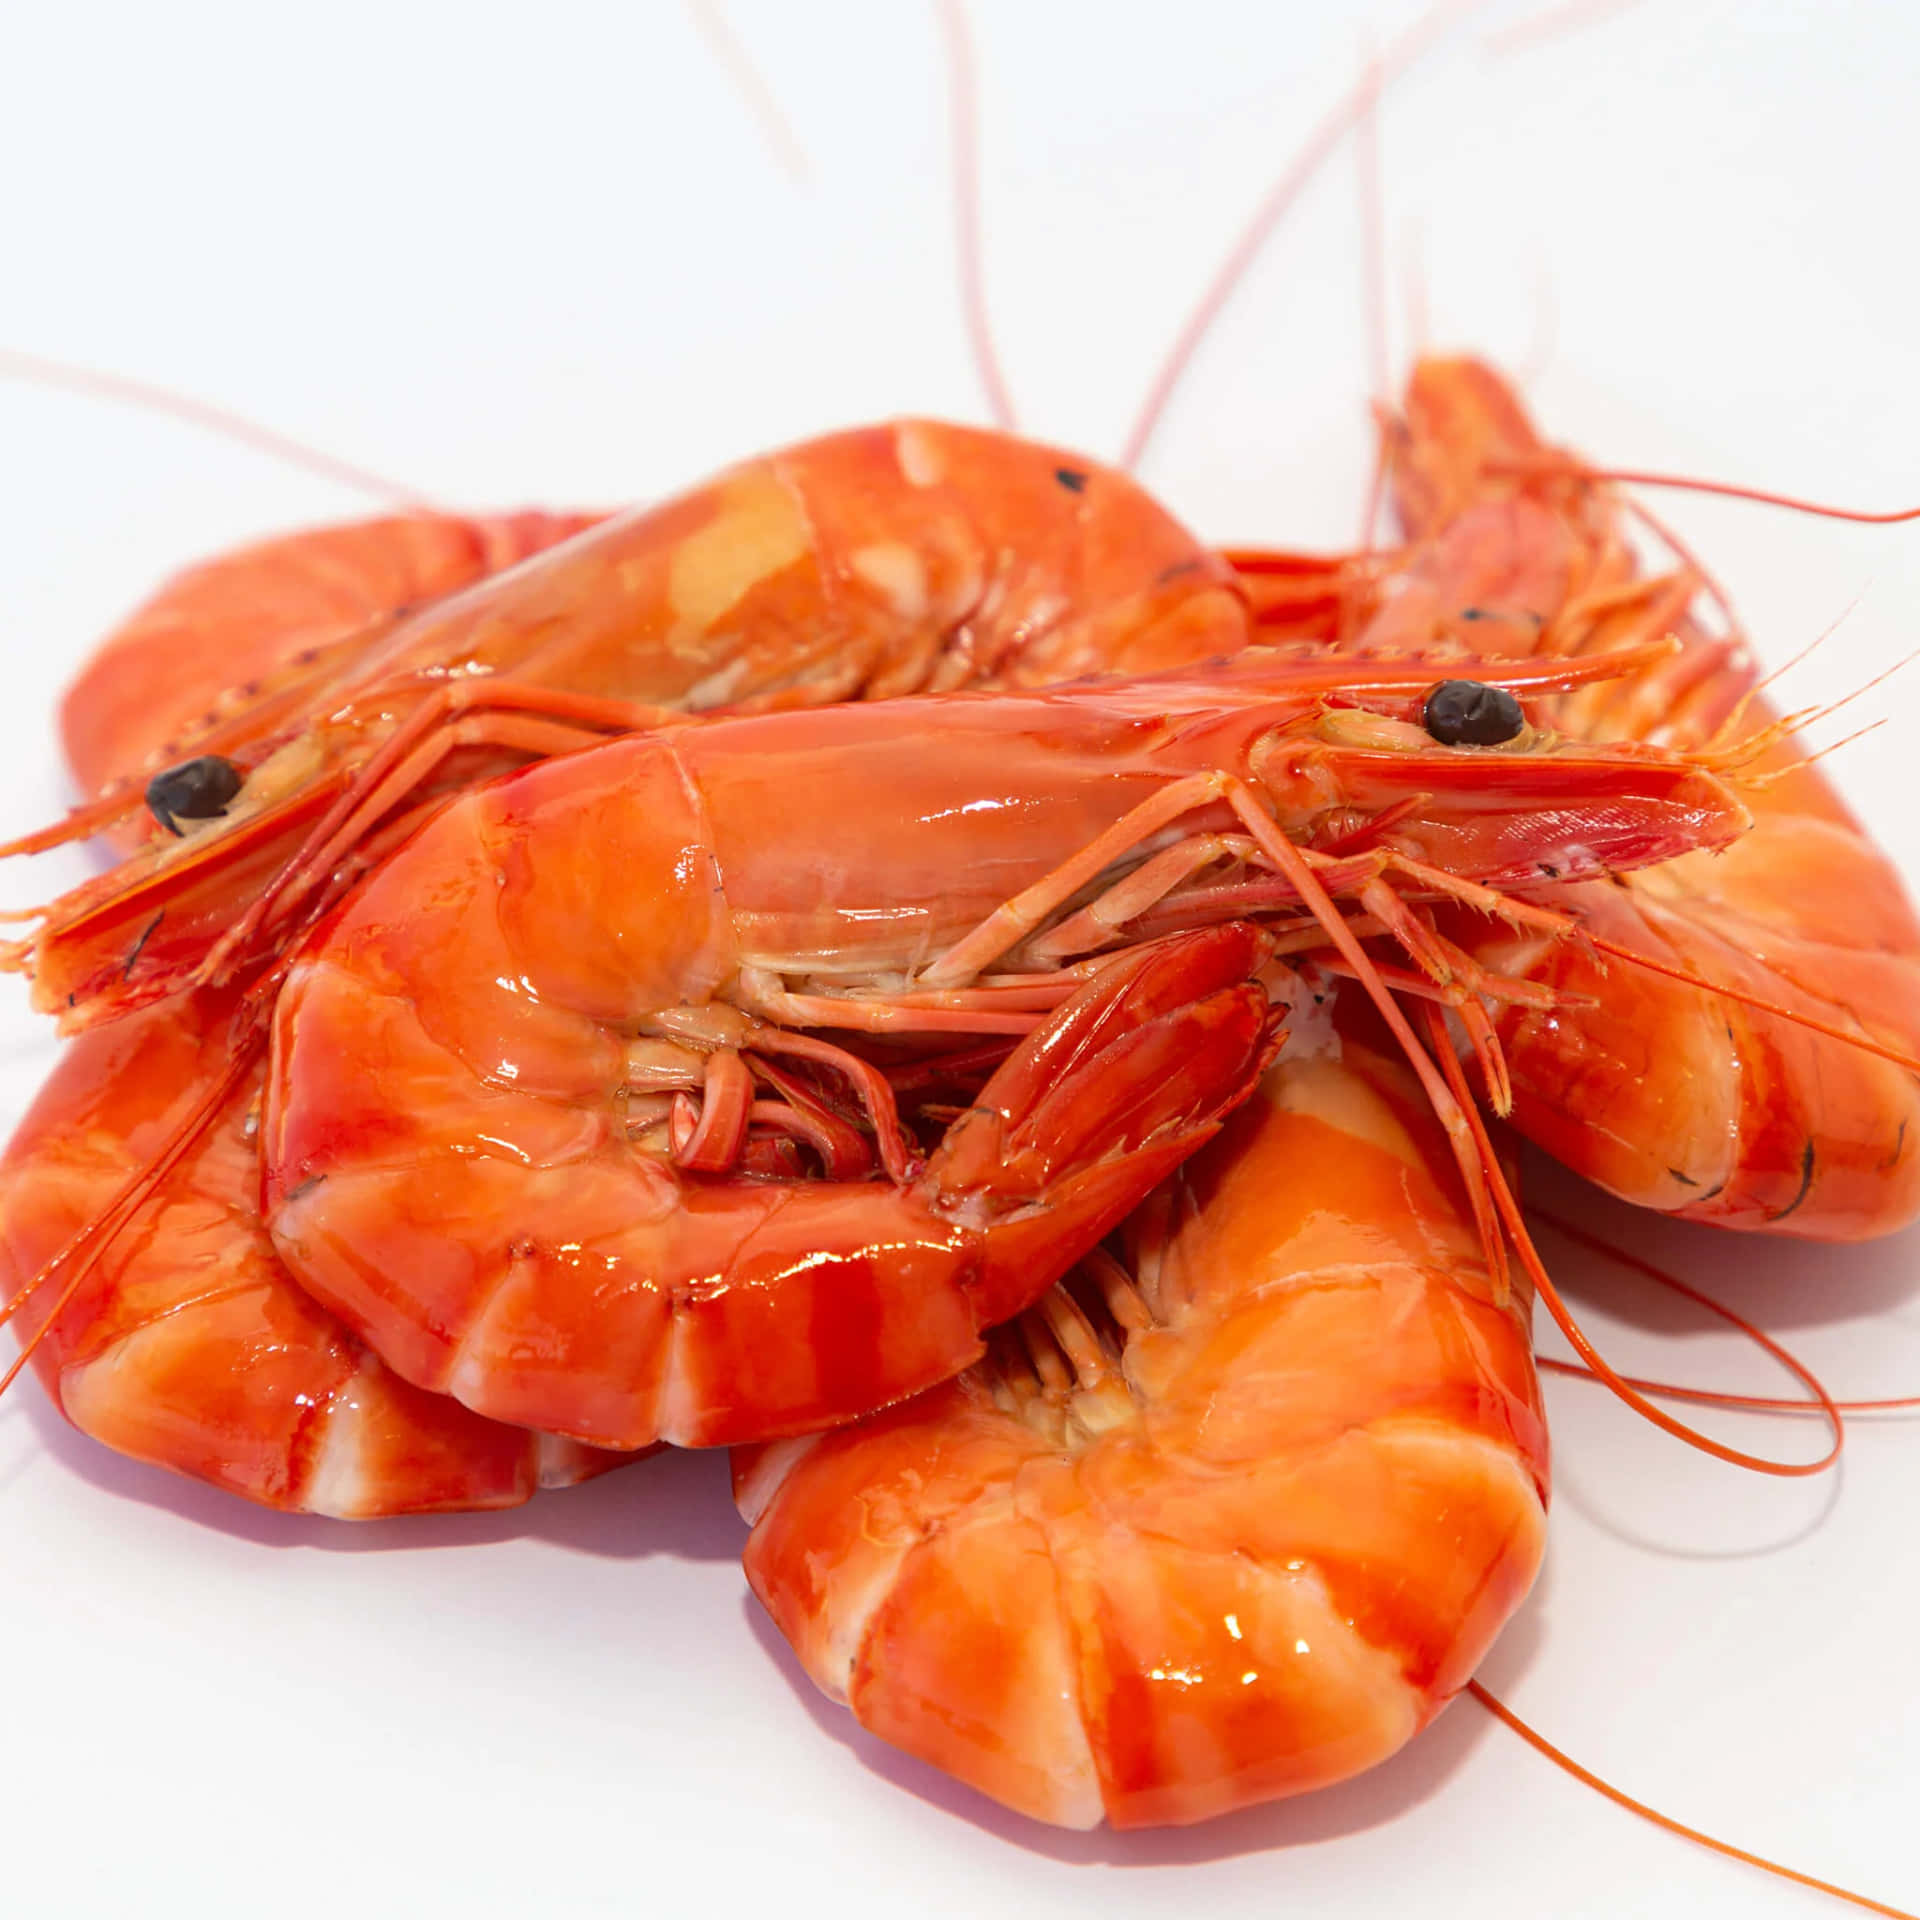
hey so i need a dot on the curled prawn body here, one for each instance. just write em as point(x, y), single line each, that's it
point(881, 561)
point(594, 1286)
point(188, 1344)
point(1671, 1095)
point(514, 1132)
point(1230, 1521)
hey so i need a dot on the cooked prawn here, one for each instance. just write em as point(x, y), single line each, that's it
point(1232, 1520)
point(483, 1146)
point(862, 565)
point(1678, 1097)
point(187, 1343)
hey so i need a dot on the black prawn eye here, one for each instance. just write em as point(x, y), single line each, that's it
point(194, 790)
point(1465, 713)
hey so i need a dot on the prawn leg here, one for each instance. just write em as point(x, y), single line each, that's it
point(579, 1300)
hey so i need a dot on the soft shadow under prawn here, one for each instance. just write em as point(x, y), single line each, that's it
point(1870, 1281)
point(1371, 1801)
point(681, 1512)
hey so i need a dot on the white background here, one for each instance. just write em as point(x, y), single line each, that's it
point(511, 255)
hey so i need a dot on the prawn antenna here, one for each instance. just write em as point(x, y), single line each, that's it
point(1794, 723)
point(1761, 781)
point(1701, 1396)
point(1827, 1029)
point(1574, 1770)
point(963, 97)
point(1355, 109)
point(222, 421)
point(1553, 466)
point(1730, 727)
point(1508, 1209)
point(1299, 172)
point(761, 101)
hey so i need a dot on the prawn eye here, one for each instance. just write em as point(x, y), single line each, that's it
point(194, 790)
point(1465, 713)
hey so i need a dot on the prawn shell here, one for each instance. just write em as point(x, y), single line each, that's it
point(885, 560)
point(1328, 1498)
point(1667, 1094)
point(232, 629)
point(187, 1344)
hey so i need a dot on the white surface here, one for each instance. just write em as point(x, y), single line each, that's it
point(506, 255)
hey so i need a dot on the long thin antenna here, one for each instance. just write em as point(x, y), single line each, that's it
point(1703, 1396)
point(90, 381)
point(1373, 234)
point(762, 104)
point(1299, 172)
point(1542, 1745)
point(963, 106)
point(1551, 466)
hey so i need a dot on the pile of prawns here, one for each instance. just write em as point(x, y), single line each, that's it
point(1062, 1157)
